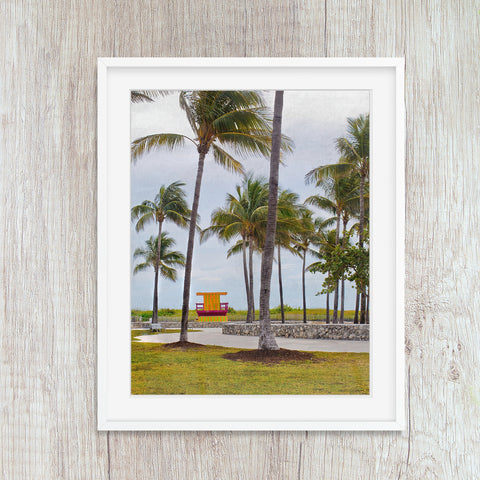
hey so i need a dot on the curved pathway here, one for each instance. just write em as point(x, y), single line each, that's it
point(214, 336)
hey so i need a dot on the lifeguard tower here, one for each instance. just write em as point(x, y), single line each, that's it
point(212, 310)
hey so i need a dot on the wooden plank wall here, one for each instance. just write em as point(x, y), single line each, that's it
point(48, 234)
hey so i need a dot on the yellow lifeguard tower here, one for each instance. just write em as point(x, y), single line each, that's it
point(212, 310)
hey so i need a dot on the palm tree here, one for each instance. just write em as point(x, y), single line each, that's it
point(266, 339)
point(334, 208)
point(341, 200)
point(308, 235)
point(163, 260)
point(235, 119)
point(349, 193)
point(245, 216)
point(242, 217)
point(169, 204)
point(355, 157)
point(326, 243)
point(288, 224)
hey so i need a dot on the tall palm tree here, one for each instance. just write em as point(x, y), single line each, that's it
point(310, 234)
point(354, 149)
point(243, 216)
point(163, 260)
point(266, 339)
point(288, 213)
point(235, 119)
point(331, 206)
point(169, 204)
point(349, 187)
point(325, 243)
point(341, 199)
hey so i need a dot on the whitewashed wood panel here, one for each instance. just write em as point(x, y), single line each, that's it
point(48, 215)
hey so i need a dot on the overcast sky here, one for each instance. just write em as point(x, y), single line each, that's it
point(313, 119)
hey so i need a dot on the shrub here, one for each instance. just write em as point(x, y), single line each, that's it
point(286, 308)
point(147, 314)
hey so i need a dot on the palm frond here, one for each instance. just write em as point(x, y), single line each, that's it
point(143, 220)
point(185, 106)
point(157, 141)
point(141, 267)
point(244, 144)
point(173, 258)
point(142, 209)
point(224, 159)
point(321, 202)
point(168, 273)
point(319, 174)
point(234, 249)
point(244, 120)
point(139, 96)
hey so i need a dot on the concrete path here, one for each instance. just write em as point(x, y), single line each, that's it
point(214, 336)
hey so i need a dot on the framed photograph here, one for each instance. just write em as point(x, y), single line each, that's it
point(251, 244)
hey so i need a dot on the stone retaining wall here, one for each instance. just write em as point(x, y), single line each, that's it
point(136, 325)
point(173, 324)
point(193, 323)
point(332, 332)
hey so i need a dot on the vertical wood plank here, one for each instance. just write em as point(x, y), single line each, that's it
point(48, 338)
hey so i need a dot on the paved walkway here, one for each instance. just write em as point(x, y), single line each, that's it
point(214, 336)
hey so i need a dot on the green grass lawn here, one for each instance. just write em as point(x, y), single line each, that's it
point(313, 314)
point(157, 370)
point(137, 333)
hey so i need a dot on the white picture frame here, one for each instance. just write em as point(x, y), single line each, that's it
point(383, 408)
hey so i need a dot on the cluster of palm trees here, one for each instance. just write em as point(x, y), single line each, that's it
point(243, 221)
point(169, 205)
point(346, 184)
point(258, 216)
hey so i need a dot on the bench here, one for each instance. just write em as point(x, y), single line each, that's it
point(157, 327)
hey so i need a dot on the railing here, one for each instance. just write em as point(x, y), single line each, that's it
point(200, 307)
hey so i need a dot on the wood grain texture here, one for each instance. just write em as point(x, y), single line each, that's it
point(48, 215)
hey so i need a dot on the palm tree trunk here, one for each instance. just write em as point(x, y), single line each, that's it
point(357, 301)
point(335, 305)
point(342, 289)
point(157, 267)
point(245, 275)
point(155, 298)
point(335, 297)
point(342, 300)
point(191, 241)
point(360, 243)
point(367, 313)
point(363, 308)
point(250, 263)
point(266, 339)
point(303, 289)
point(280, 285)
point(327, 317)
point(362, 211)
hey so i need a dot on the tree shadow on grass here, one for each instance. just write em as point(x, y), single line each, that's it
point(184, 345)
point(272, 356)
